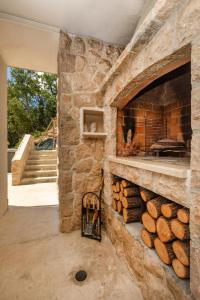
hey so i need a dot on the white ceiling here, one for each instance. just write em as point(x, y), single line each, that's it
point(112, 21)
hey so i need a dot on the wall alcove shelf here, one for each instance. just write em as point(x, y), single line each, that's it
point(92, 123)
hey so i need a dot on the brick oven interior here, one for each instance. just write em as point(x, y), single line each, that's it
point(157, 121)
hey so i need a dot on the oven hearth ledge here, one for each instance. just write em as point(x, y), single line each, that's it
point(158, 165)
point(170, 180)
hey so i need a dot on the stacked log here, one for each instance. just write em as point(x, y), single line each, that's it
point(147, 195)
point(164, 251)
point(154, 206)
point(180, 270)
point(164, 231)
point(127, 200)
point(180, 230)
point(165, 223)
point(149, 222)
point(183, 215)
point(148, 238)
point(119, 207)
point(182, 251)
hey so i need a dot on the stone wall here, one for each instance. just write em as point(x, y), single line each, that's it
point(20, 159)
point(166, 39)
point(82, 65)
point(3, 137)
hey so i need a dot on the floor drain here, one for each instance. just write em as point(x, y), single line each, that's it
point(81, 275)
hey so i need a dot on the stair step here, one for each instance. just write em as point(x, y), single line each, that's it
point(32, 180)
point(40, 173)
point(37, 157)
point(40, 167)
point(41, 161)
point(45, 152)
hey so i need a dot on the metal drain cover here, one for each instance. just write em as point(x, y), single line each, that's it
point(81, 275)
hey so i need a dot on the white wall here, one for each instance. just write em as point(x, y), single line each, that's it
point(3, 138)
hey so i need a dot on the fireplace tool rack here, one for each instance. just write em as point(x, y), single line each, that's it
point(91, 214)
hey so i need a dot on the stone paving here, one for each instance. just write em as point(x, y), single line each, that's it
point(38, 262)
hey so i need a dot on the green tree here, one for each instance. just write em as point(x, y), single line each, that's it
point(31, 103)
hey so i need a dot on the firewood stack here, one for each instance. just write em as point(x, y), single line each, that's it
point(127, 200)
point(166, 228)
point(166, 224)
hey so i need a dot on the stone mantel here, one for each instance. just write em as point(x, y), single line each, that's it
point(170, 181)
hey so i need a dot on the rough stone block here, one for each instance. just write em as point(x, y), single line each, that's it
point(195, 62)
point(195, 271)
point(67, 62)
point(188, 22)
point(66, 158)
point(195, 146)
point(195, 105)
point(83, 166)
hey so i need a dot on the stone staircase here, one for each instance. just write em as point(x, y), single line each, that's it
point(41, 167)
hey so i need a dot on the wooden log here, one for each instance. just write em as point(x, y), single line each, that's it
point(131, 191)
point(164, 231)
point(183, 215)
point(169, 210)
point(121, 188)
point(132, 214)
point(115, 179)
point(147, 195)
point(121, 195)
point(126, 183)
point(182, 251)
point(180, 230)
point(149, 222)
point(116, 196)
point(131, 202)
point(148, 238)
point(117, 187)
point(180, 270)
point(164, 251)
point(114, 204)
point(119, 207)
point(154, 206)
point(114, 188)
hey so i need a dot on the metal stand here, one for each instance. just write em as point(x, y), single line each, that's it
point(91, 215)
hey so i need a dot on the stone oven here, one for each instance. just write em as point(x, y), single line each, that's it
point(157, 121)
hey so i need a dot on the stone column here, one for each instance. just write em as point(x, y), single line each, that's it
point(195, 170)
point(82, 65)
point(3, 137)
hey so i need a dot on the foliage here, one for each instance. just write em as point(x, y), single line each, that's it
point(31, 103)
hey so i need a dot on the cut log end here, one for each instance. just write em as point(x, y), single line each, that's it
point(182, 251)
point(149, 222)
point(154, 206)
point(164, 231)
point(180, 270)
point(164, 251)
point(169, 210)
point(119, 207)
point(126, 183)
point(183, 215)
point(147, 195)
point(148, 238)
point(180, 230)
